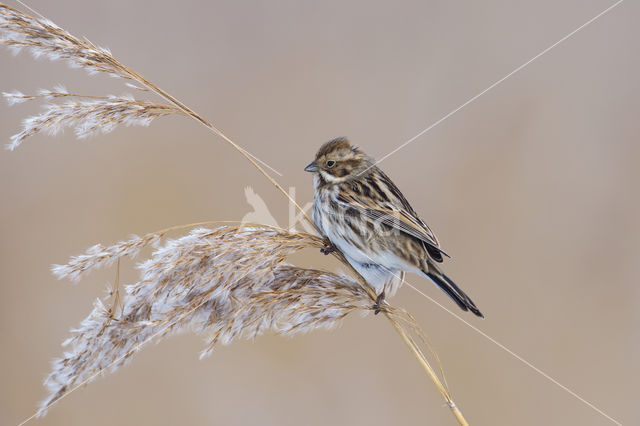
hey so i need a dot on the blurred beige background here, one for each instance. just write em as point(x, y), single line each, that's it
point(533, 188)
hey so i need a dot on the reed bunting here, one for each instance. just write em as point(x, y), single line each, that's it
point(362, 213)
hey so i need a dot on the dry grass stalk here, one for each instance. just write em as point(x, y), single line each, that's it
point(283, 298)
point(43, 38)
point(89, 115)
point(226, 283)
point(98, 256)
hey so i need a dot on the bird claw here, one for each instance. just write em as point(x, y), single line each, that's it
point(328, 249)
point(377, 307)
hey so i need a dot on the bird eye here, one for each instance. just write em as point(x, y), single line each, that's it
point(331, 163)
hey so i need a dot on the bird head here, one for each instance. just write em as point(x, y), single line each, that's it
point(337, 161)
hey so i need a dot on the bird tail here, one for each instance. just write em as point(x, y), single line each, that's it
point(449, 287)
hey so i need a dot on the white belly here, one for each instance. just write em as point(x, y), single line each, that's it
point(381, 269)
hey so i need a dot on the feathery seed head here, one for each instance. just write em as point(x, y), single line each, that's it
point(44, 38)
point(87, 116)
point(16, 97)
point(228, 282)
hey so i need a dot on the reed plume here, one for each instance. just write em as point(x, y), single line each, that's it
point(225, 282)
point(88, 116)
point(43, 38)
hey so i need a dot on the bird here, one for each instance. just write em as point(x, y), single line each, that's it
point(363, 214)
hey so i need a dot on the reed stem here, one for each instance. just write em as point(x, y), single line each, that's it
point(411, 344)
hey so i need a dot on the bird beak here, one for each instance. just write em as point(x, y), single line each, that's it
point(312, 167)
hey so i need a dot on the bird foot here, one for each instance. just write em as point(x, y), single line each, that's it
point(328, 248)
point(377, 307)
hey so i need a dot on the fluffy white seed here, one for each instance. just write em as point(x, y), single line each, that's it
point(226, 283)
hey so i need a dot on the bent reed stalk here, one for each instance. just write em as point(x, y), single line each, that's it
point(230, 281)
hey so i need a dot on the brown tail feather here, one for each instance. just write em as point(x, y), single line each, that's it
point(449, 287)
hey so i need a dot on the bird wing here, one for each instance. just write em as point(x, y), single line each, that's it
point(377, 198)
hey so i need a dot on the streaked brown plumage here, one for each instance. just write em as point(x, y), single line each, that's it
point(363, 213)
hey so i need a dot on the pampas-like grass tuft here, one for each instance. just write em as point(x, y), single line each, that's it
point(43, 38)
point(88, 116)
point(225, 282)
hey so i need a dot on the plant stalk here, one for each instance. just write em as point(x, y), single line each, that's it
point(411, 344)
